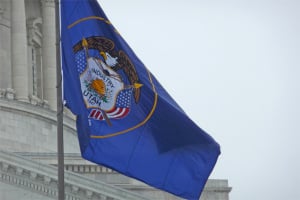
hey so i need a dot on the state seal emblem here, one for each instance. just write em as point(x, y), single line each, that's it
point(108, 79)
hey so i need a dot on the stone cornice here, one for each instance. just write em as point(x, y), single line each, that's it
point(42, 179)
point(82, 166)
point(73, 162)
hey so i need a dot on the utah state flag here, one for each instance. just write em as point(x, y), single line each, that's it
point(125, 119)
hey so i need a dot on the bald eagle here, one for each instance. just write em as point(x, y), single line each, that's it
point(108, 59)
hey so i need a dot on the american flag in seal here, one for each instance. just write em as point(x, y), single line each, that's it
point(120, 110)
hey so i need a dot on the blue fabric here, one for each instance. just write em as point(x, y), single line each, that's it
point(150, 138)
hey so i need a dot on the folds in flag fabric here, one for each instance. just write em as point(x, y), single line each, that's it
point(125, 119)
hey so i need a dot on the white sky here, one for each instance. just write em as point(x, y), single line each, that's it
point(234, 67)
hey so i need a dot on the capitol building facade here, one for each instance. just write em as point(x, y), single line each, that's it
point(28, 127)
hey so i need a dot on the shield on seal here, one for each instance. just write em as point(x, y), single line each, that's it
point(100, 85)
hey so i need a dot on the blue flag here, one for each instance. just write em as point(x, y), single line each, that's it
point(125, 119)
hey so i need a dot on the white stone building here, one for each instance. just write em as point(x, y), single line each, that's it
point(28, 119)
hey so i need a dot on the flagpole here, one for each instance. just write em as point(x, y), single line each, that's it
point(60, 138)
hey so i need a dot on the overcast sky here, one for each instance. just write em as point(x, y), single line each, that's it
point(234, 67)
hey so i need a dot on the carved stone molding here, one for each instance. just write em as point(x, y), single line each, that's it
point(34, 100)
point(48, 3)
point(42, 179)
point(45, 104)
point(7, 93)
point(15, 175)
point(34, 32)
point(2, 92)
point(10, 93)
point(3, 18)
point(1, 11)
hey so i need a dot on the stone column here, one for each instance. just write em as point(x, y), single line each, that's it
point(5, 46)
point(39, 81)
point(49, 52)
point(34, 55)
point(19, 50)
